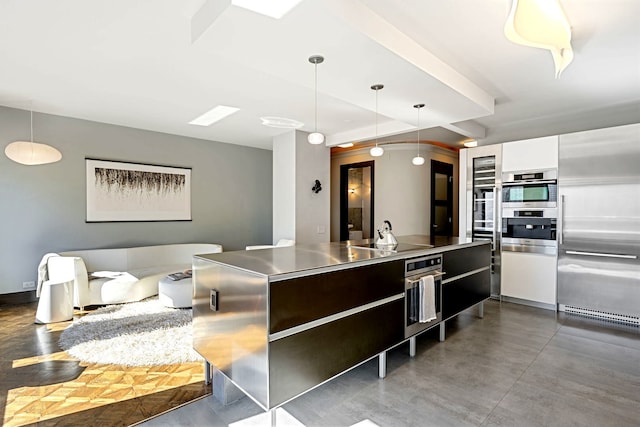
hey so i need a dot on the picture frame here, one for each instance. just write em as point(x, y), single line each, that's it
point(128, 192)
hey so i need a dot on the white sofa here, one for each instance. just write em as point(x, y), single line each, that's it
point(112, 276)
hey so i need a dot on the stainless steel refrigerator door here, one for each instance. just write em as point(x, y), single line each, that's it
point(599, 237)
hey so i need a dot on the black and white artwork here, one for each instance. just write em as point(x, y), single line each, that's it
point(118, 191)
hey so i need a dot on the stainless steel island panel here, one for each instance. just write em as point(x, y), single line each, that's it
point(233, 338)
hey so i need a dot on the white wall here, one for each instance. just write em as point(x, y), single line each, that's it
point(298, 212)
point(312, 210)
point(402, 192)
point(43, 207)
point(284, 187)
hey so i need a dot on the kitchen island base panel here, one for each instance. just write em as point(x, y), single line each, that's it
point(285, 322)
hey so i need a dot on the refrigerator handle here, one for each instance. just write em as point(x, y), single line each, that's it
point(561, 226)
point(495, 218)
point(600, 254)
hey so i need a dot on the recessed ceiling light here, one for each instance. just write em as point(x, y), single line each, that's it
point(281, 122)
point(272, 8)
point(347, 145)
point(213, 115)
point(470, 144)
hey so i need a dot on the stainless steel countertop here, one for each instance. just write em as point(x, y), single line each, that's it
point(297, 260)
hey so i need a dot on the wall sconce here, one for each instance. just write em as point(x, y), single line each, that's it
point(352, 190)
point(541, 24)
point(317, 187)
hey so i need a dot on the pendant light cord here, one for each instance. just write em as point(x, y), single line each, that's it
point(419, 131)
point(376, 117)
point(316, 96)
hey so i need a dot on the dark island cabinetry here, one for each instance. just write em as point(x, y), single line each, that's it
point(467, 279)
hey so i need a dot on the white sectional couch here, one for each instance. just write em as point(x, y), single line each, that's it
point(112, 276)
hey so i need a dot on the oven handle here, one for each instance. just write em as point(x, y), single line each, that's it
point(532, 181)
point(439, 273)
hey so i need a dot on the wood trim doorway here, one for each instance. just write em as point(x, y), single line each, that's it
point(441, 199)
point(344, 198)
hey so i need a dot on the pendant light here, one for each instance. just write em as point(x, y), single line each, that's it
point(316, 137)
point(377, 151)
point(32, 153)
point(418, 160)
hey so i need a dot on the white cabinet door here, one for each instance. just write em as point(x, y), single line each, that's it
point(529, 276)
point(530, 154)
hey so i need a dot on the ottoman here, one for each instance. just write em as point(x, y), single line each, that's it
point(56, 302)
point(175, 293)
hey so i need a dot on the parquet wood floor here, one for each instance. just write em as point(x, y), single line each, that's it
point(42, 385)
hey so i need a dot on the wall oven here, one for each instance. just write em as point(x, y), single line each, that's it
point(419, 300)
point(530, 189)
point(530, 230)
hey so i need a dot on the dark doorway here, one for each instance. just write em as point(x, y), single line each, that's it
point(356, 201)
point(441, 198)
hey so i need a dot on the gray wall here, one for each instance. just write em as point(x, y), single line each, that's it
point(43, 207)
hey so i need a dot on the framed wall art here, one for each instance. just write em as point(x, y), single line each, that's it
point(119, 191)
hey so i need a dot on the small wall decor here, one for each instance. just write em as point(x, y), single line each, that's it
point(317, 187)
point(119, 191)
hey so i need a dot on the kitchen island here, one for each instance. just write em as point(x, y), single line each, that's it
point(279, 322)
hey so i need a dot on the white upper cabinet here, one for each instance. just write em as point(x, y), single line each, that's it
point(529, 154)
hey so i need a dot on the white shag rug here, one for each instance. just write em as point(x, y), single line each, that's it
point(144, 333)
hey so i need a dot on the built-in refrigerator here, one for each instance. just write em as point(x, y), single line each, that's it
point(482, 179)
point(599, 223)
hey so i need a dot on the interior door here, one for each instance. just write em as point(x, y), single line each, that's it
point(441, 198)
point(356, 201)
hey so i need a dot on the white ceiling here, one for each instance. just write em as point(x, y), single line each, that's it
point(157, 64)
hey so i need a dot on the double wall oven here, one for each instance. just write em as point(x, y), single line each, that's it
point(530, 211)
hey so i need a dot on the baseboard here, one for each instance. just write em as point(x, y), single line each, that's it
point(529, 303)
point(18, 298)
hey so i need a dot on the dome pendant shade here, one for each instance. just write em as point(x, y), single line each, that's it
point(315, 138)
point(376, 151)
point(418, 160)
point(32, 153)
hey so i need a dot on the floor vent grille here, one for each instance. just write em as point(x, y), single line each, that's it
point(603, 315)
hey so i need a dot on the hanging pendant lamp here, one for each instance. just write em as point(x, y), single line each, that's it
point(32, 153)
point(377, 151)
point(418, 160)
point(316, 137)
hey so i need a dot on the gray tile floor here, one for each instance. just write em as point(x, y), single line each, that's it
point(518, 366)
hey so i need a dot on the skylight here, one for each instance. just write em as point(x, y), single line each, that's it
point(213, 115)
